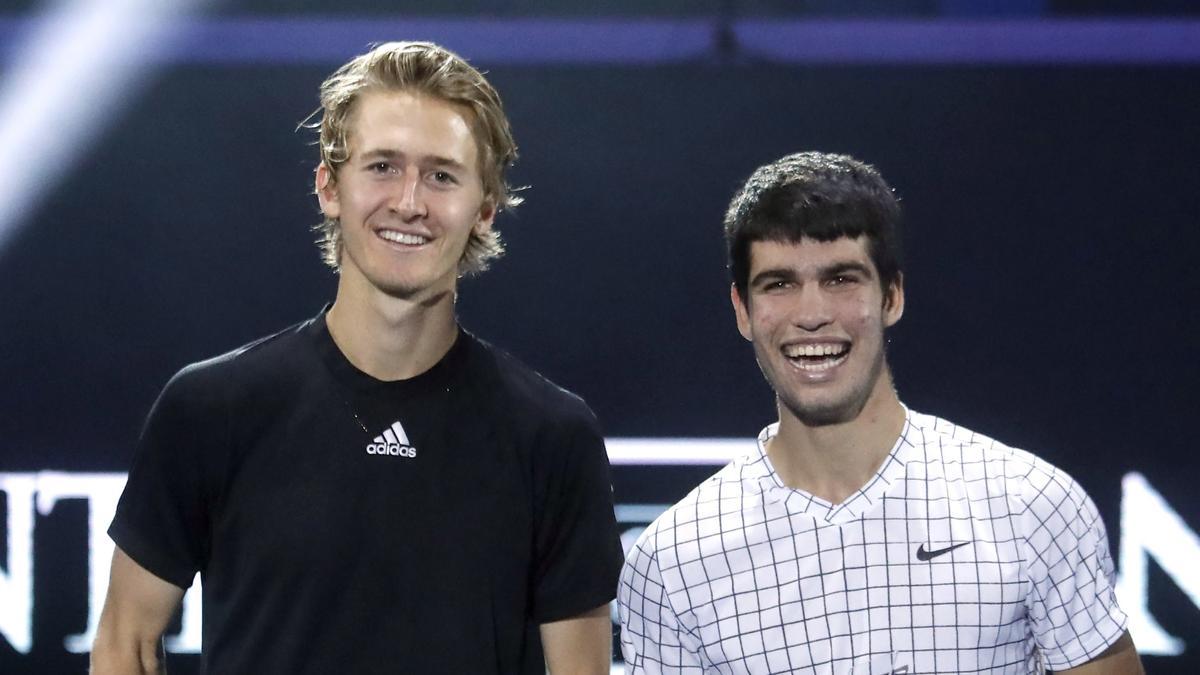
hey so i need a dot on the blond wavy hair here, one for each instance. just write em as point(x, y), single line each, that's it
point(425, 68)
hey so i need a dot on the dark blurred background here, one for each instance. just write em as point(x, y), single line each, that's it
point(155, 210)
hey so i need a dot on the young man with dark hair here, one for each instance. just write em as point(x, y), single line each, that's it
point(861, 536)
point(376, 490)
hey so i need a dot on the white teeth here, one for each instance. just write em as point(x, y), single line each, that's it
point(402, 237)
point(817, 357)
point(817, 366)
point(796, 351)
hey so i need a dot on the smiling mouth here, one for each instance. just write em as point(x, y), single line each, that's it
point(405, 238)
point(815, 358)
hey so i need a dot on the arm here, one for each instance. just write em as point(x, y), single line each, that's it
point(1072, 606)
point(135, 614)
point(581, 644)
point(653, 639)
point(1119, 659)
point(577, 553)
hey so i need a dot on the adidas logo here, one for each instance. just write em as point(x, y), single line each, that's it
point(393, 441)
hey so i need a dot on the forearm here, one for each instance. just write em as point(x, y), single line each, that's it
point(136, 613)
point(113, 655)
point(581, 645)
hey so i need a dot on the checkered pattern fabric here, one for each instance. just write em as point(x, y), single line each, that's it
point(961, 555)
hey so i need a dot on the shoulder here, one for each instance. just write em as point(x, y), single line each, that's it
point(214, 380)
point(524, 394)
point(941, 439)
point(255, 359)
point(1029, 483)
point(691, 527)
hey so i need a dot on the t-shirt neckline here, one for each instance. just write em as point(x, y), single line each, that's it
point(890, 471)
point(346, 373)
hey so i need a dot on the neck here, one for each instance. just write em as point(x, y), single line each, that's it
point(835, 461)
point(387, 337)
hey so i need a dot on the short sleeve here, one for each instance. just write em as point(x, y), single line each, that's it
point(162, 518)
point(577, 547)
point(652, 638)
point(1072, 605)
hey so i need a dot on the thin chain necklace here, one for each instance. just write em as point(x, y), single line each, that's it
point(356, 417)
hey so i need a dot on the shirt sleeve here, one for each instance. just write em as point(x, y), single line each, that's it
point(162, 518)
point(1072, 605)
point(652, 638)
point(577, 547)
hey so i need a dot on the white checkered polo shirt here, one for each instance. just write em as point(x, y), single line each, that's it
point(961, 555)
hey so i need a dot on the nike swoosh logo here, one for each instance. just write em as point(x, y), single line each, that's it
point(924, 555)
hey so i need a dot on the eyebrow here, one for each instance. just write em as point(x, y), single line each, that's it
point(788, 274)
point(390, 154)
point(773, 274)
point(843, 267)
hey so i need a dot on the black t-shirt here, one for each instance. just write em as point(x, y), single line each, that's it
point(345, 524)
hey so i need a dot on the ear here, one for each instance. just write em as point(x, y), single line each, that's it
point(893, 302)
point(327, 192)
point(741, 311)
point(487, 215)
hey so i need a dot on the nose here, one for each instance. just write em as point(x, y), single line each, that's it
point(812, 309)
point(408, 199)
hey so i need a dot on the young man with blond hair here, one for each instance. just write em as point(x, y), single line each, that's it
point(375, 490)
point(861, 536)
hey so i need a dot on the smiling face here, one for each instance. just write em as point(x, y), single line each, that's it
point(409, 195)
point(816, 314)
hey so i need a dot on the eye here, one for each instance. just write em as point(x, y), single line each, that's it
point(444, 178)
point(379, 167)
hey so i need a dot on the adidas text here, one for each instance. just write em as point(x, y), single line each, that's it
point(391, 449)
